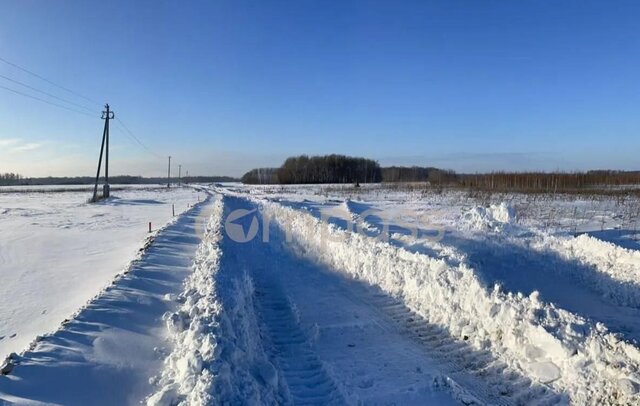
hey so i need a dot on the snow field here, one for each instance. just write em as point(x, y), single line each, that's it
point(57, 251)
point(322, 314)
point(615, 271)
point(106, 353)
point(555, 347)
point(592, 278)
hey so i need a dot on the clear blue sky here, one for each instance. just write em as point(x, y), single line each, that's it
point(225, 86)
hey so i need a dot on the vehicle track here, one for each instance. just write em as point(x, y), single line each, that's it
point(464, 364)
point(307, 381)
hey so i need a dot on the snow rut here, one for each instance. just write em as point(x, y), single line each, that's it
point(303, 373)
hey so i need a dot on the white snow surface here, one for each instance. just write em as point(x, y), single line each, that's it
point(57, 251)
point(108, 353)
point(344, 296)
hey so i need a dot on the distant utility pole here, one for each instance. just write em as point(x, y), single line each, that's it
point(106, 116)
point(179, 174)
point(187, 177)
point(169, 173)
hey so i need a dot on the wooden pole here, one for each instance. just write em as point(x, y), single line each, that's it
point(169, 173)
point(106, 116)
point(95, 188)
point(106, 156)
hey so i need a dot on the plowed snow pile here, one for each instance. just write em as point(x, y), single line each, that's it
point(496, 217)
point(616, 269)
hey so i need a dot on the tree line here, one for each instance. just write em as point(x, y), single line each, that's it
point(418, 174)
point(11, 179)
point(329, 169)
point(548, 181)
point(261, 176)
point(345, 169)
point(342, 169)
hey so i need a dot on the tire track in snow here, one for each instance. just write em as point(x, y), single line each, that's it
point(301, 373)
point(502, 385)
point(472, 376)
point(306, 379)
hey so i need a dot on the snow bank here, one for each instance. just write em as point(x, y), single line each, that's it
point(496, 217)
point(550, 345)
point(616, 270)
point(217, 356)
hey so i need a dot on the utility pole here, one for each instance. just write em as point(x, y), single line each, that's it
point(187, 177)
point(169, 173)
point(106, 116)
point(179, 174)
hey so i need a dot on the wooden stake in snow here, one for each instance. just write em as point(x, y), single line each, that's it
point(149, 226)
point(173, 209)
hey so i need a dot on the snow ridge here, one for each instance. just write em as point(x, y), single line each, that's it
point(616, 269)
point(554, 347)
point(217, 356)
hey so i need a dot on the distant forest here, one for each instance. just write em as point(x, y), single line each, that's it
point(318, 169)
point(548, 182)
point(343, 169)
point(329, 169)
point(13, 179)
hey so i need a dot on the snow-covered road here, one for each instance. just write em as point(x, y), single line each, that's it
point(290, 331)
point(325, 334)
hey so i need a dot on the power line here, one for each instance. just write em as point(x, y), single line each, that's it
point(46, 101)
point(126, 131)
point(45, 93)
point(48, 81)
point(133, 137)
